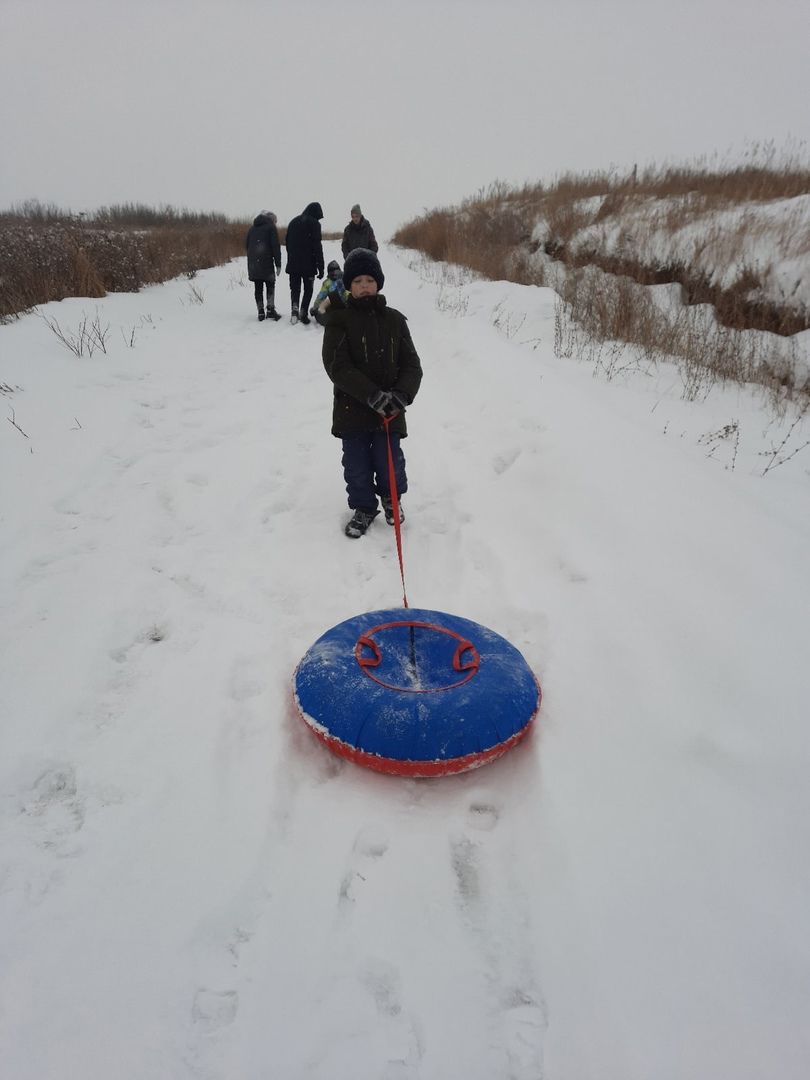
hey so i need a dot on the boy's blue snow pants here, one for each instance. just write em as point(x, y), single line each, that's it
point(365, 468)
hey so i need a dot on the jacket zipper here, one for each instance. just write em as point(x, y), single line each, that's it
point(334, 354)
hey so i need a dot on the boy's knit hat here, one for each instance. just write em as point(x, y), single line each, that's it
point(333, 270)
point(356, 209)
point(362, 261)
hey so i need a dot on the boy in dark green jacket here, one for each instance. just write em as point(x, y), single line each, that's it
point(370, 357)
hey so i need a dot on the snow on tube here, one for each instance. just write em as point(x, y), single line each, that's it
point(416, 692)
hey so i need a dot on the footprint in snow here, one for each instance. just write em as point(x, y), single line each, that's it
point(152, 634)
point(214, 1009)
point(246, 680)
point(483, 815)
point(67, 506)
point(167, 501)
point(55, 807)
point(463, 859)
point(575, 576)
point(369, 844)
point(234, 945)
point(405, 1041)
point(524, 1025)
point(189, 585)
point(382, 981)
point(282, 505)
point(501, 463)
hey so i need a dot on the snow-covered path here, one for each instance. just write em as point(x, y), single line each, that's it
point(191, 886)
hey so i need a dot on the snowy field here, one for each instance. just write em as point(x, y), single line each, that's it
point(191, 886)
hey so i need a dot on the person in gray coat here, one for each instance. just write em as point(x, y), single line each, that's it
point(358, 233)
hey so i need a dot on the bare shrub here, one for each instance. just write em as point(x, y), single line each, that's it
point(196, 295)
point(48, 254)
point(507, 322)
point(612, 309)
point(791, 443)
point(13, 421)
point(728, 435)
point(89, 336)
point(452, 299)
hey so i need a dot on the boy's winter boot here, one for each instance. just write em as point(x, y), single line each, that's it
point(389, 510)
point(261, 314)
point(304, 318)
point(273, 314)
point(360, 522)
point(294, 314)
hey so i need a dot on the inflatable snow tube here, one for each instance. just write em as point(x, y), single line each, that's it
point(415, 692)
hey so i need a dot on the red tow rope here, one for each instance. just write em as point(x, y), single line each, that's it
point(392, 483)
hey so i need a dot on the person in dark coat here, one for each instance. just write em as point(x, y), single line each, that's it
point(370, 357)
point(358, 233)
point(304, 257)
point(264, 261)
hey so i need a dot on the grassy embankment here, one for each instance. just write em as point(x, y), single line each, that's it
point(732, 247)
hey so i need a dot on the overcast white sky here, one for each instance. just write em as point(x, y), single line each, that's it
point(401, 105)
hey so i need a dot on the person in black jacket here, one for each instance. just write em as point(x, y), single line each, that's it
point(358, 233)
point(304, 257)
point(264, 261)
point(370, 357)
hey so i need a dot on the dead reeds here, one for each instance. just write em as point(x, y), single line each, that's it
point(731, 246)
point(48, 254)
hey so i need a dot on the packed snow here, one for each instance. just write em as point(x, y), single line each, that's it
point(192, 886)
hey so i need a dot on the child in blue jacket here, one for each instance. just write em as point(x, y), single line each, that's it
point(332, 293)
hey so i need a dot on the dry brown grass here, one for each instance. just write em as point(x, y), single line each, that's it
point(712, 222)
point(480, 236)
point(48, 254)
point(620, 223)
point(598, 308)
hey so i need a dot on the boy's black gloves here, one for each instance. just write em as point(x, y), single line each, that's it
point(396, 404)
point(399, 402)
point(379, 401)
point(388, 402)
